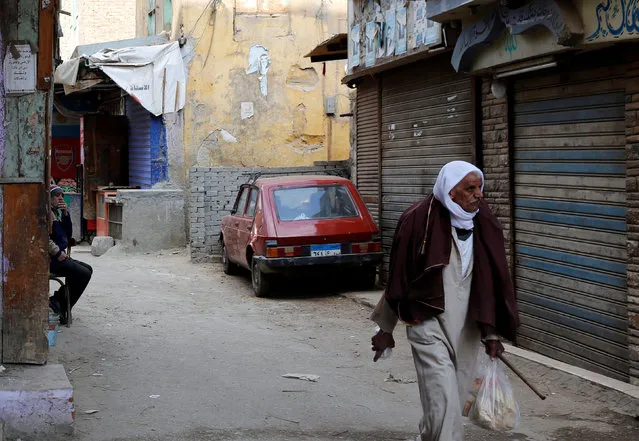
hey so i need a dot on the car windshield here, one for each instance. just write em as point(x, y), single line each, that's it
point(319, 202)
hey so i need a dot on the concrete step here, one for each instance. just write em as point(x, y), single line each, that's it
point(36, 402)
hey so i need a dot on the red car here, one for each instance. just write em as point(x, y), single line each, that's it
point(293, 224)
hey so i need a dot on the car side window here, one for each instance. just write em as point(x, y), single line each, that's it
point(241, 202)
point(252, 203)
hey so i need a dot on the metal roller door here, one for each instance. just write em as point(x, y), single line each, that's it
point(427, 121)
point(139, 144)
point(570, 218)
point(367, 139)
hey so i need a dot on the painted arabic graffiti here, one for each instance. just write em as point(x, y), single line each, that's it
point(473, 37)
point(511, 44)
point(614, 17)
point(558, 17)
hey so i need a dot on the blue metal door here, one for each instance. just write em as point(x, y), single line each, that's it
point(139, 144)
point(570, 218)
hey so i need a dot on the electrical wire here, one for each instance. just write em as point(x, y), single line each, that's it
point(200, 17)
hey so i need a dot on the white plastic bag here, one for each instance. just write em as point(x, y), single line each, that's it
point(495, 406)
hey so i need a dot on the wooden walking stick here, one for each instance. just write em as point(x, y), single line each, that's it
point(520, 375)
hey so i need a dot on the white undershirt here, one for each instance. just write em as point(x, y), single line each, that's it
point(465, 248)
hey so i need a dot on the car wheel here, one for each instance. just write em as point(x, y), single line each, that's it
point(229, 267)
point(368, 277)
point(261, 282)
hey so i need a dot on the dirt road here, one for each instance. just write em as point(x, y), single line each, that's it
point(167, 350)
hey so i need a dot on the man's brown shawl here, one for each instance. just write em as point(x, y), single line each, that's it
point(421, 249)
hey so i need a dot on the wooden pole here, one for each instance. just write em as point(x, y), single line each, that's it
point(520, 375)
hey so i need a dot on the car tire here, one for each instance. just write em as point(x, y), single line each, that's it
point(368, 278)
point(229, 267)
point(261, 282)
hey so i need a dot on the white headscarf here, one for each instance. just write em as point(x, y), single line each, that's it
point(449, 176)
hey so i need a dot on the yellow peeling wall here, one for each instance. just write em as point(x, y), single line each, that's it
point(289, 126)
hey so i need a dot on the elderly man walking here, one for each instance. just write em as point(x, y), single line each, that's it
point(450, 284)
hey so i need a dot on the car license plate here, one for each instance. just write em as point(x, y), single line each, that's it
point(333, 249)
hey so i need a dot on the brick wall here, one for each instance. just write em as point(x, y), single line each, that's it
point(632, 194)
point(496, 160)
point(106, 20)
point(212, 195)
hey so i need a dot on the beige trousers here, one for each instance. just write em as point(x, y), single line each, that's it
point(444, 348)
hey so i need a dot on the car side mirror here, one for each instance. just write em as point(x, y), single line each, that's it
point(233, 211)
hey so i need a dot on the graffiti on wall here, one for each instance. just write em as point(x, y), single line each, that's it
point(616, 18)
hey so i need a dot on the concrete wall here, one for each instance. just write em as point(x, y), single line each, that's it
point(96, 21)
point(288, 126)
point(152, 219)
point(213, 193)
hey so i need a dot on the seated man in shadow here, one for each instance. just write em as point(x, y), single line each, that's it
point(77, 274)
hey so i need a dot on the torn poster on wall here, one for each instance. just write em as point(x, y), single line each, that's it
point(381, 39)
point(19, 69)
point(433, 32)
point(371, 42)
point(418, 15)
point(401, 44)
point(259, 63)
point(354, 47)
point(390, 32)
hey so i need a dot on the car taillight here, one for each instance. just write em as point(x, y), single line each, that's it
point(283, 251)
point(366, 247)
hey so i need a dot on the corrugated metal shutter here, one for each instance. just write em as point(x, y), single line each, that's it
point(367, 138)
point(570, 217)
point(139, 144)
point(427, 121)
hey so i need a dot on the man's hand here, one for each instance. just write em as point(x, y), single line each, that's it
point(62, 206)
point(382, 341)
point(62, 257)
point(494, 348)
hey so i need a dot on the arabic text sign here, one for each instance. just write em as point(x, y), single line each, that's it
point(19, 69)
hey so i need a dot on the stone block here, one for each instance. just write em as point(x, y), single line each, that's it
point(101, 244)
point(36, 402)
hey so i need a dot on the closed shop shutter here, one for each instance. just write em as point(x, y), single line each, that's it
point(139, 144)
point(570, 217)
point(427, 121)
point(367, 136)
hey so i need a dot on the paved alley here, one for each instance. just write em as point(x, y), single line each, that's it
point(166, 350)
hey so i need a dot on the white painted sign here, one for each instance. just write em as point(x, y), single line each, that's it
point(19, 69)
point(246, 109)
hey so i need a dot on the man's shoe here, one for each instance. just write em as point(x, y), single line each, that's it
point(63, 319)
point(54, 306)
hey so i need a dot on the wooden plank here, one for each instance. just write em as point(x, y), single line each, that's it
point(46, 39)
point(26, 287)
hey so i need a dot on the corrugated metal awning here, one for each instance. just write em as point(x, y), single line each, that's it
point(335, 48)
